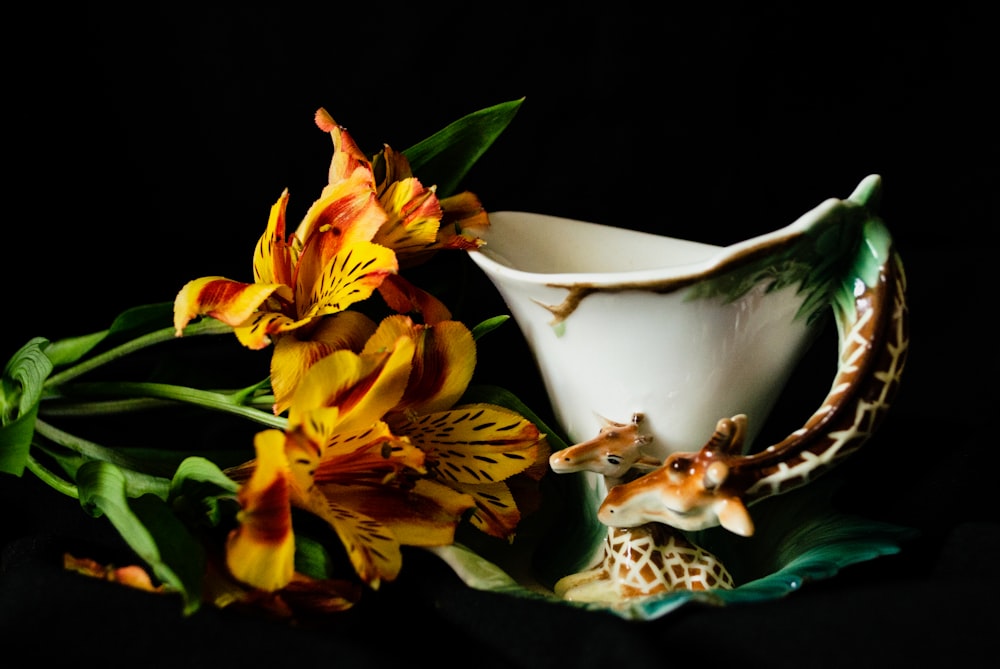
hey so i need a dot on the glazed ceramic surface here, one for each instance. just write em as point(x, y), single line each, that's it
point(613, 319)
point(663, 359)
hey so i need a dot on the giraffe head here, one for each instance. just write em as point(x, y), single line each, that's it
point(687, 492)
point(616, 449)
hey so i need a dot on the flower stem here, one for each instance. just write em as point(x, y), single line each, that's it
point(62, 407)
point(136, 471)
point(227, 402)
point(87, 449)
point(52, 480)
point(208, 326)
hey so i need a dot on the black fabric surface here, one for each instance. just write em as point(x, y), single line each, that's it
point(147, 145)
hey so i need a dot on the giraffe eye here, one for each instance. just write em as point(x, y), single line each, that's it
point(614, 460)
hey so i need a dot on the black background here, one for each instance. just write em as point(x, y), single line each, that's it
point(145, 146)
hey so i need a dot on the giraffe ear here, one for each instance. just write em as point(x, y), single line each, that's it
point(733, 516)
point(647, 462)
point(715, 475)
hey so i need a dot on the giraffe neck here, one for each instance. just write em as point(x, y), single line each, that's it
point(873, 355)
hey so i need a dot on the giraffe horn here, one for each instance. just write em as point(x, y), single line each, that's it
point(727, 437)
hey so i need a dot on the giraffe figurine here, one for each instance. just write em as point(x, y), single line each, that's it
point(714, 486)
point(613, 453)
point(645, 560)
point(692, 491)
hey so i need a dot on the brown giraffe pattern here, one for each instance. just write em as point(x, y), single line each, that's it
point(849, 415)
point(694, 491)
point(643, 561)
point(648, 560)
point(645, 551)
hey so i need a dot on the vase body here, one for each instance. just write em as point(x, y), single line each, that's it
point(623, 322)
point(663, 359)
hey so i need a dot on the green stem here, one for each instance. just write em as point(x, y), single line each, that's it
point(227, 402)
point(83, 447)
point(208, 326)
point(62, 407)
point(142, 475)
point(52, 480)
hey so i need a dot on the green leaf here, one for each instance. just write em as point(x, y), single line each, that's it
point(15, 442)
point(489, 325)
point(69, 350)
point(197, 487)
point(202, 470)
point(446, 157)
point(148, 526)
point(312, 558)
point(844, 243)
point(132, 322)
point(144, 318)
point(20, 392)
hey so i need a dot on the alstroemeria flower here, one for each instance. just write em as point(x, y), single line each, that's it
point(472, 449)
point(346, 467)
point(298, 284)
point(350, 243)
point(417, 223)
point(299, 280)
point(366, 482)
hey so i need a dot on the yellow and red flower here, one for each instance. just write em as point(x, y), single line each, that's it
point(350, 244)
point(375, 447)
point(376, 444)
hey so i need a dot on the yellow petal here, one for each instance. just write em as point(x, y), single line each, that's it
point(261, 551)
point(273, 258)
point(303, 455)
point(480, 443)
point(371, 547)
point(348, 277)
point(443, 367)
point(389, 166)
point(348, 329)
point(347, 212)
point(231, 302)
point(362, 387)
point(425, 514)
point(414, 216)
point(443, 363)
point(255, 332)
point(294, 356)
point(388, 331)
point(463, 214)
point(496, 511)
point(405, 298)
point(463, 220)
point(347, 157)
